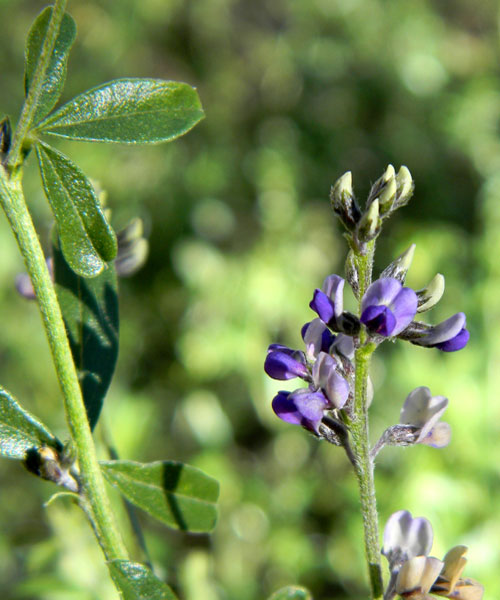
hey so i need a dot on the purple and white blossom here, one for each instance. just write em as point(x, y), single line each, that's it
point(328, 389)
point(317, 338)
point(301, 407)
point(328, 302)
point(284, 363)
point(423, 411)
point(326, 377)
point(415, 574)
point(449, 336)
point(406, 537)
point(387, 307)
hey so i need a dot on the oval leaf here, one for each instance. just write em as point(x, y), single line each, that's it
point(291, 593)
point(20, 431)
point(137, 582)
point(87, 240)
point(131, 111)
point(55, 75)
point(90, 312)
point(179, 495)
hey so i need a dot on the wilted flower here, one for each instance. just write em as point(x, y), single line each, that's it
point(423, 411)
point(406, 537)
point(387, 307)
point(415, 575)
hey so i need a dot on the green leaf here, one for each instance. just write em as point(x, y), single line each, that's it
point(90, 312)
point(87, 240)
point(131, 111)
point(55, 75)
point(291, 593)
point(20, 431)
point(137, 582)
point(179, 495)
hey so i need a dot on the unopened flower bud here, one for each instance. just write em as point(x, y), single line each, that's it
point(399, 267)
point(5, 137)
point(405, 187)
point(388, 190)
point(344, 203)
point(369, 225)
point(431, 294)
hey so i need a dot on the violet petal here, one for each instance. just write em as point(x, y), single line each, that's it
point(379, 319)
point(456, 343)
point(281, 365)
point(301, 407)
point(323, 306)
point(333, 286)
point(404, 308)
point(444, 332)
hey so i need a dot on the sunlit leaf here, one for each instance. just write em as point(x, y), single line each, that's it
point(137, 582)
point(179, 495)
point(291, 593)
point(90, 312)
point(142, 111)
point(55, 75)
point(20, 431)
point(87, 240)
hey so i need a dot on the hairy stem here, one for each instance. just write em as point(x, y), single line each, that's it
point(94, 496)
point(30, 104)
point(361, 441)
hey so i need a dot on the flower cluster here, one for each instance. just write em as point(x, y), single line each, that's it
point(414, 574)
point(388, 310)
point(324, 366)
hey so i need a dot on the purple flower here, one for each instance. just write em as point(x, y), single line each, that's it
point(326, 377)
point(301, 407)
point(387, 307)
point(328, 303)
point(327, 390)
point(448, 336)
point(284, 363)
point(317, 338)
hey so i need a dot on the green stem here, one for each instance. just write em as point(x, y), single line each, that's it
point(94, 497)
point(31, 102)
point(361, 440)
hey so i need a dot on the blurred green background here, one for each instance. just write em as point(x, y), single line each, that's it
point(241, 232)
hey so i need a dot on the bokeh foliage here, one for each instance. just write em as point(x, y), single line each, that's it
point(295, 93)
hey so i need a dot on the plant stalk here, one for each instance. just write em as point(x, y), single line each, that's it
point(364, 464)
point(94, 497)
